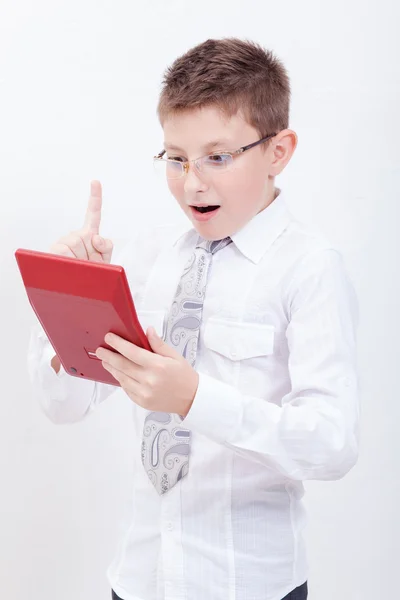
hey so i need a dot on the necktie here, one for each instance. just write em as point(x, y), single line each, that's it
point(165, 444)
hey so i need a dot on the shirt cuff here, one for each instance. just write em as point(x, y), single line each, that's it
point(215, 411)
point(48, 354)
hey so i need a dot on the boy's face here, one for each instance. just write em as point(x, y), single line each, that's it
point(241, 192)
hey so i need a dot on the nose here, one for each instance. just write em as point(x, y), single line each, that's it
point(193, 182)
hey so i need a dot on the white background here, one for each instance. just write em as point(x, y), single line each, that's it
point(78, 89)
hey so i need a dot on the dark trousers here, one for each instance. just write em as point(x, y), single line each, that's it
point(300, 593)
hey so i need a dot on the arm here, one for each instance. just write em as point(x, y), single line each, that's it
point(63, 398)
point(314, 433)
point(67, 399)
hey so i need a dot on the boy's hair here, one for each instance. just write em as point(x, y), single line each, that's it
point(231, 74)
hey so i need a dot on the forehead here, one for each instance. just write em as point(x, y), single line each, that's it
point(198, 129)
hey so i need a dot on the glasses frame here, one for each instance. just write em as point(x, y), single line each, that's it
point(185, 164)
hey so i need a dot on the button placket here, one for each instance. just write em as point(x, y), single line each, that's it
point(171, 545)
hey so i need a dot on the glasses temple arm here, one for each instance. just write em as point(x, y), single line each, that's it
point(243, 148)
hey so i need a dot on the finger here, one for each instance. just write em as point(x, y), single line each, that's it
point(114, 372)
point(80, 246)
point(104, 246)
point(93, 211)
point(129, 385)
point(137, 355)
point(76, 244)
point(61, 250)
point(121, 363)
point(93, 254)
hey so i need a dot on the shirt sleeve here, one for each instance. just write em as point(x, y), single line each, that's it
point(314, 434)
point(63, 398)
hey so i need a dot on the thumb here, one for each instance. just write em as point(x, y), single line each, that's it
point(158, 345)
point(104, 246)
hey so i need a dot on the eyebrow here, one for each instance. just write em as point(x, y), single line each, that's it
point(222, 144)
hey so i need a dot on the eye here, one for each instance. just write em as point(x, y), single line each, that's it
point(218, 160)
point(177, 158)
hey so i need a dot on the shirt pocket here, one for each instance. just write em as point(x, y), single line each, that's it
point(239, 341)
point(155, 318)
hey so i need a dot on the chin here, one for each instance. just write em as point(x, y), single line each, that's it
point(211, 233)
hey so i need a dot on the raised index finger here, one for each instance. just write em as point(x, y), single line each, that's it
point(93, 211)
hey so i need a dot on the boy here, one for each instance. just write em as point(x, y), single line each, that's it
point(253, 389)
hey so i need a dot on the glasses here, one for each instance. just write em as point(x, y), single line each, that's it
point(211, 164)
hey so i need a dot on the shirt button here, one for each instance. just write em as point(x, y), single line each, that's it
point(233, 354)
point(170, 526)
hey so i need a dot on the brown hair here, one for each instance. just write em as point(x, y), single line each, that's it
point(232, 74)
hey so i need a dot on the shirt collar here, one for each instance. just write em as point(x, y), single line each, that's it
point(254, 239)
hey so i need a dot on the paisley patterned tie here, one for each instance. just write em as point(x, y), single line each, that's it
point(166, 445)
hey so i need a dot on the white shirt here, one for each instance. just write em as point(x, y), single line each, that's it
point(277, 404)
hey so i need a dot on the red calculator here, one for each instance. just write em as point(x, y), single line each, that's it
point(77, 303)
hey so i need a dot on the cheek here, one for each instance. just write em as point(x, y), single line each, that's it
point(241, 187)
point(176, 188)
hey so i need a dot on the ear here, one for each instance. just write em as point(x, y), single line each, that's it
point(282, 148)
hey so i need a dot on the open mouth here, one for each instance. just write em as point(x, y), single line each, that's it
point(205, 209)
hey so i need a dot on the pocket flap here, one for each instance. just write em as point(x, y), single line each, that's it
point(239, 341)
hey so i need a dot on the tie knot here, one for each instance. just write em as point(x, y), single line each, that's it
point(213, 246)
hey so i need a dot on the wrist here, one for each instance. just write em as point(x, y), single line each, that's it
point(192, 395)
